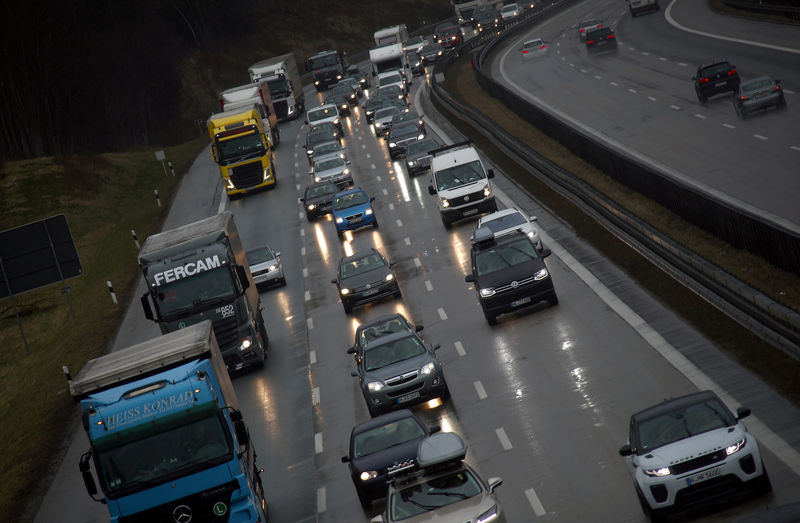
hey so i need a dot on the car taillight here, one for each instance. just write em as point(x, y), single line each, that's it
point(776, 88)
point(743, 97)
point(732, 72)
point(543, 47)
point(704, 80)
point(610, 37)
point(525, 51)
point(589, 42)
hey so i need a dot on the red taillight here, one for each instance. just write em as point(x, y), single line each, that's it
point(776, 88)
point(732, 72)
point(588, 42)
point(610, 37)
point(703, 80)
point(525, 51)
point(543, 47)
point(743, 97)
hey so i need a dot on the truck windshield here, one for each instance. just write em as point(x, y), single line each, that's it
point(459, 175)
point(164, 455)
point(278, 88)
point(203, 288)
point(240, 147)
point(323, 61)
point(392, 64)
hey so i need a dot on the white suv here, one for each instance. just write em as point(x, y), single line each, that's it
point(325, 113)
point(460, 183)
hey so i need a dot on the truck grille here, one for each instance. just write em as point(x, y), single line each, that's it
point(226, 333)
point(467, 199)
point(247, 175)
point(200, 506)
point(281, 109)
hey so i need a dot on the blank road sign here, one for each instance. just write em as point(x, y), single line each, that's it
point(31, 255)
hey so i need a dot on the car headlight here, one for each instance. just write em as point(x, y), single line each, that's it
point(245, 344)
point(488, 291)
point(273, 268)
point(341, 155)
point(316, 82)
point(389, 277)
point(368, 212)
point(309, 152)
point(486, 191)
point(540, 275)
point(411, 163)
point(339, 219)
point(439, 53)
point(344, 291)
point(392, 144)
point(736, 447)
point(346, 170)
point(317, 179)
point(336, 122)
point(344, 106)
point(368, 475)
point(420, 137)
point(427, 368)
point(374, 386)
point(311, 207)
point(445, 203)
point(338, 77)
point(378, 124)
point(657, 473)
point(489, 515)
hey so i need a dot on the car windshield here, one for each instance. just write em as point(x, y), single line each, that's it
point(360, 266)
point(321, 190)
point(422, 147)
point(257, 256)
point(386, 436)
point(758, 83)
point(532, 44)
point(319, 137)
point(502, 223)
point(315, 115)
point(327, 148)
point(352, 199)
point(387, 353)
point(386, 112)
point(509, 8)
point(459, 175)
point(202, 289)
point(711, 70)
point(323, 61)
point(682, 423)
point(331, 163)
point(402, 131)
point(504, 256)
point(376, 330)
point(432, 494)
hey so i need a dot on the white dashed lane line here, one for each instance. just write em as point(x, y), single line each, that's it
point(428, 285)
point(318, 442)
point(760, 137)
point(307, 296)
point(321, 502)
point(651, 98)
point(417, 262)
point(407, 240)
point(796, 148)
point(442, 314)
point(536, 505)
point(378, 178)
point(391, 206)
point(675, 107)
point(399, 223)
point(315, 396)
point(305, 272)
point(310, 323)
point(312, 357)
point(480, 390)
point(460, 349)
point(503, 437)
point(632, 90)
point(729, 126)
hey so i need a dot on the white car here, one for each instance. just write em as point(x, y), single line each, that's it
point(509, 220)
point(325, 113)
point(265, 266)
point(689, 450)
point(533, 48)
point(590, 24)
point(392, 78)
point(509, 11)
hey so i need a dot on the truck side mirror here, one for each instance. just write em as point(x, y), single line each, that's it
point(148, 311)
point(431, 190)
point(490, 173)
point(86, 473)
point(214, 153)
point(243, 279)
point(241, 432)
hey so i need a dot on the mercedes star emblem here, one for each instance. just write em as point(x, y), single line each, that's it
point(182, 514)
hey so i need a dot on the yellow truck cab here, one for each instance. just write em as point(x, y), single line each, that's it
point(241, 148)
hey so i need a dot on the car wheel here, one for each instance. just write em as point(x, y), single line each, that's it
point(366, 502)
point(347, 307)
point(553, 299)
point(446, 393)
point(491, 318)
point(764, 483)
point(701, 97)
point(446, 223)
point(310, 217)
point(651, 514)
point(373, 411)
point(742, 114)
point(340, 234)
point(375, 223)
point(782, 103)
point(282, 282)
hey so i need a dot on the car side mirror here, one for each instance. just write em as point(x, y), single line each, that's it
point(351, 350)
point(377, 519)
point(469, 278)
point(694, 78)
point(372, 198)
point(431, 190)
point(392, 264)
point(354, 373)
point(310, 172)
point(347, 162)
point(546, 252)
point(345, 459)
point(494, 483)
point(625, 450)
point(434, 429)
point(742, 412)
point(306, 121)
point(490, 173)
point(533, 218)
point(436, 346)
point(333, 281)
point(419, 328)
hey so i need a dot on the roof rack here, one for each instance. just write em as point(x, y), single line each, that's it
point(458, 145)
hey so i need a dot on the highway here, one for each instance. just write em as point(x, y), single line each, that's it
point(543, 399)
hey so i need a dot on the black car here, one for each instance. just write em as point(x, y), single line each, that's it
point(349, 89)
point(508, 273)
point(430, 52)
point(485, 18)
point(759, 93)
point(415, 63)
point(713, 79)
point(401, 136)
point(382, 447)
point(341, 101)
point(365, 277)
point(374, 329)
point(357, 74)
point(418, 155)
point(317, 199)
point(602, 39)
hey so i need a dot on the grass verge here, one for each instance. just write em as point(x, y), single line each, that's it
point(103, 197)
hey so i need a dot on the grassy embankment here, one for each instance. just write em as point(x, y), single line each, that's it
point(103, 198)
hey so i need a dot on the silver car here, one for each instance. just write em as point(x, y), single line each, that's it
point(265, 266)
point(383, 120)
point(759, 93)
point(333, 169)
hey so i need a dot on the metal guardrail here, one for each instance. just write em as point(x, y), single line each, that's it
point(773, 322)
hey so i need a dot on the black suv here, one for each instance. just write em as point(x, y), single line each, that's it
point(716, 78)
point(508, 273)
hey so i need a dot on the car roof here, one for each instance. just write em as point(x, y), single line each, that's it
point(349, 191)
point(385, 419)
point(671, 404)
point(382, 319)
point(391, 337)
point(508, 237)
point(359, 255)
point(499, 214)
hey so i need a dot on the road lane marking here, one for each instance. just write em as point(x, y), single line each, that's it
point(645, 53)
point(407, 240)
point(321, 505)
point(417, 262)
point(651, 98)
point(683, 64)
point(302, 232)
point(699, 116)
point(372, 166)
point(307, 296)
point(302, 251)
point(442, 314)
point(310, 323)
point(480, 390)
point(615, 84)
point(729, 126)
point(391, 206)
point(632, 90)
point(536, 505)
point(318, 443)
point(305, 272)
point(384, 191)
point(312, 357)
point(368, 154)
point(297, 187)
point(662, 58)
point(460, 348)
point(760, 137)
point(428, 285)
point(399, 223)
point(796, 148)
point(503, 437)
point(598, 77)
point(378, 178)
point(300, 215)
point(315, 394)
point(675, 107)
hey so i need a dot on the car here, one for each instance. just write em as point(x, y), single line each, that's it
point(399, 370)
point(442, 488)
point(759, 93)
point(350, 86)
point(715, 78)
point(413, 43)
point(357, 74)
point(333, 169)
point(373, 329)
point(448, 35)
point(601, 39)
point(512, 219)
point(534, 48)
point(365, 277)
point(392, 78)
point(408, 116)
point(322, 134)
point(388, 99)
point(588, 25)
point(689, 451)
point(401, 136)
point(509, 11)
point(508, 273)
point(430, 52)
point(638, 7)
point(418, 155)
point(485, 17)
point(317, 199)
point(393, 91)
point(415, 63)
point(265, 266)
point(325, 150)
point(352, 209)
point(325, 113)
point(381, 448)
point(382, 119)
point(341, 101)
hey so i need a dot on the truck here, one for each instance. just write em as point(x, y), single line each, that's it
point(167, 439)
point(396, 34)
point(199, 272)
point(389, 58)
point(257, 94)
point(326, 68)
point(241, 148)
point(460, 183)
point(285, 87)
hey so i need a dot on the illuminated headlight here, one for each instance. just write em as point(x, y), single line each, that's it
point(353, 96)
point(311, 207)
point(317, 179)
point(368, 212)
point(540, 275)
point(363, 81)
point(421, 123)
point(273, 268)
point(346, 170)
point(341, 155)
point(392, 144)
point(389, 277)
point(316, 82)
point(736, 447)
point(345, 291)
point(339, 219)
point(412, 163)
point(378, 124)
point(368, 475)
point(489, 515)
point(369, 113)
point(420, 137)
point(439, 53)
point(486, 191)
point(344, 106)
point(427, 369)
point(338, 77)
point(488, 291)
point(445, 203)
point(657, 473)
point(336, 122)
point(374, 386)
point(399, 96)
point(246, 343)
point(229, 183)
point(416, 64)
point(309, 152)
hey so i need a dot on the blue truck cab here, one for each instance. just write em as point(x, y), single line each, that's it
point(167, 438)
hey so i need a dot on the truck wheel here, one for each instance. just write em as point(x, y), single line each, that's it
point(491, 318)
point(446, 223)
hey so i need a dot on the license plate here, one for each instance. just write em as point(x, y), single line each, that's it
point(471, 211)
point(707, 474)
point(724, 82)
point(408, 397)
point(369, 292)
point(523, 301)
point(355, 220)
